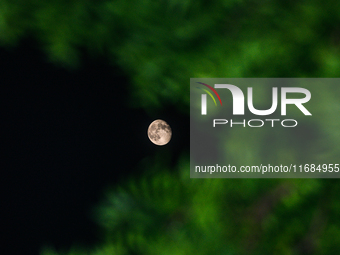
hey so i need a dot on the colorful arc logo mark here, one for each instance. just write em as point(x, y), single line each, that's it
point(204, 97)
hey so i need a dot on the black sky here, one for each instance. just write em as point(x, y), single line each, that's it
point(66, 136)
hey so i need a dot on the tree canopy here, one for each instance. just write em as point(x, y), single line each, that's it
point(160, 46)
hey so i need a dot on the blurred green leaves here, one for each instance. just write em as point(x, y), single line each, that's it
point(165, 212)
point(160, 45)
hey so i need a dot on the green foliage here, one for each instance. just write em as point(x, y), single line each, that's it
point(160, 45)
point(165, 212)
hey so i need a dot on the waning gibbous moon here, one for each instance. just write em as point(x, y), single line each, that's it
point(159, 132)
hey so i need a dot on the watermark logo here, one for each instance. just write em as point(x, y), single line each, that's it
point(238, 100)
point(204, 97)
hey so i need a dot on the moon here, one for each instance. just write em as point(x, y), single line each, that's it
point(159, 132)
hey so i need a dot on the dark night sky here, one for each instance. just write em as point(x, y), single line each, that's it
point(66, 136)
